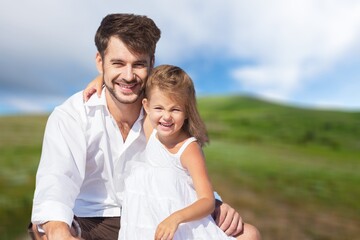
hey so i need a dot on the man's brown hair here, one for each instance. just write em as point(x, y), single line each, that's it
point(139, 33)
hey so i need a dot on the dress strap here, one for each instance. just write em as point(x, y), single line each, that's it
point(185, 144)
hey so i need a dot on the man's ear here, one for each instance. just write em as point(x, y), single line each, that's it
point(145, 103)
point(152, 62)
point(99, 63)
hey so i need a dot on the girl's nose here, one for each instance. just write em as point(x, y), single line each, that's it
point(166, 115)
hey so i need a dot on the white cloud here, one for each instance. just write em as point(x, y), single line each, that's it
point(285, 43)
point(30, 104)
point(290, 44)
point(271, 81)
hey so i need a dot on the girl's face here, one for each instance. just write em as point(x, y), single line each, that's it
point(166, 115)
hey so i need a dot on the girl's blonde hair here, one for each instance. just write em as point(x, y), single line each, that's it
point(178, 85)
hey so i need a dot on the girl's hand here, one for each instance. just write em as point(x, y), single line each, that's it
point(94, 86)
point(167, 228)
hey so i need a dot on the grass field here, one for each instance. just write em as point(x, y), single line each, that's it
point(20, 147)
point(294, 173)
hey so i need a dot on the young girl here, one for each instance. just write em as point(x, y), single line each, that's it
point(170, 196)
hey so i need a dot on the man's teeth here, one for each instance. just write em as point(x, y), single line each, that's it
point(127, 85)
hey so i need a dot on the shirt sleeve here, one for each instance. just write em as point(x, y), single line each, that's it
point(61, 170)
point(217, 196)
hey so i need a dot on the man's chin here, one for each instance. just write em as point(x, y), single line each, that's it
point(128, 99)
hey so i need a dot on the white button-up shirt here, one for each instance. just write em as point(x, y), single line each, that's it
point(84, 161)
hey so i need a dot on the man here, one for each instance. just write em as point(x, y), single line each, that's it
point(89, 147)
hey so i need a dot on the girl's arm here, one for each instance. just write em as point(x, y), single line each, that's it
point(193, 160)
point(94, 86)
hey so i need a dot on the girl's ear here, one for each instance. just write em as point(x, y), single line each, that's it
point(99, 62)
point(145, 103)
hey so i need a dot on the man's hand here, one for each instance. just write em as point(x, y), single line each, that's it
point(56, 230)
point(228, 219)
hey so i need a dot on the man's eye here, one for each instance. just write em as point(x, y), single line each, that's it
point(139, 65)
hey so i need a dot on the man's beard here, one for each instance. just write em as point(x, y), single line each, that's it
point(124, 100)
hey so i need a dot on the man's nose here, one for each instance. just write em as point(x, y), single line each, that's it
point(128, 74)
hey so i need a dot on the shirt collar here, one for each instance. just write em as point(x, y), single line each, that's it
point(101, 101)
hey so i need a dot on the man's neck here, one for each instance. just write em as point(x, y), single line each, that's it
point(125, 115)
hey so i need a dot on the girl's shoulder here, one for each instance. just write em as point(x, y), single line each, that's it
point(186, 143)
point(192, 152)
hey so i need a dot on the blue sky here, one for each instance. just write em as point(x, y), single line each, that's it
point(304, 52)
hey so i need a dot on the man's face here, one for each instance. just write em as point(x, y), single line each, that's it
point(124, 73)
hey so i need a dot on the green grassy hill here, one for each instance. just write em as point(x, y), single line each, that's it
point(292, 172)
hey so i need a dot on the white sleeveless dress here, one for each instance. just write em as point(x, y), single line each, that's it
point(158, 188)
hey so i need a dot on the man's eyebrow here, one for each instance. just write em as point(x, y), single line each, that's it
point(116, 60)
point(141, 61)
